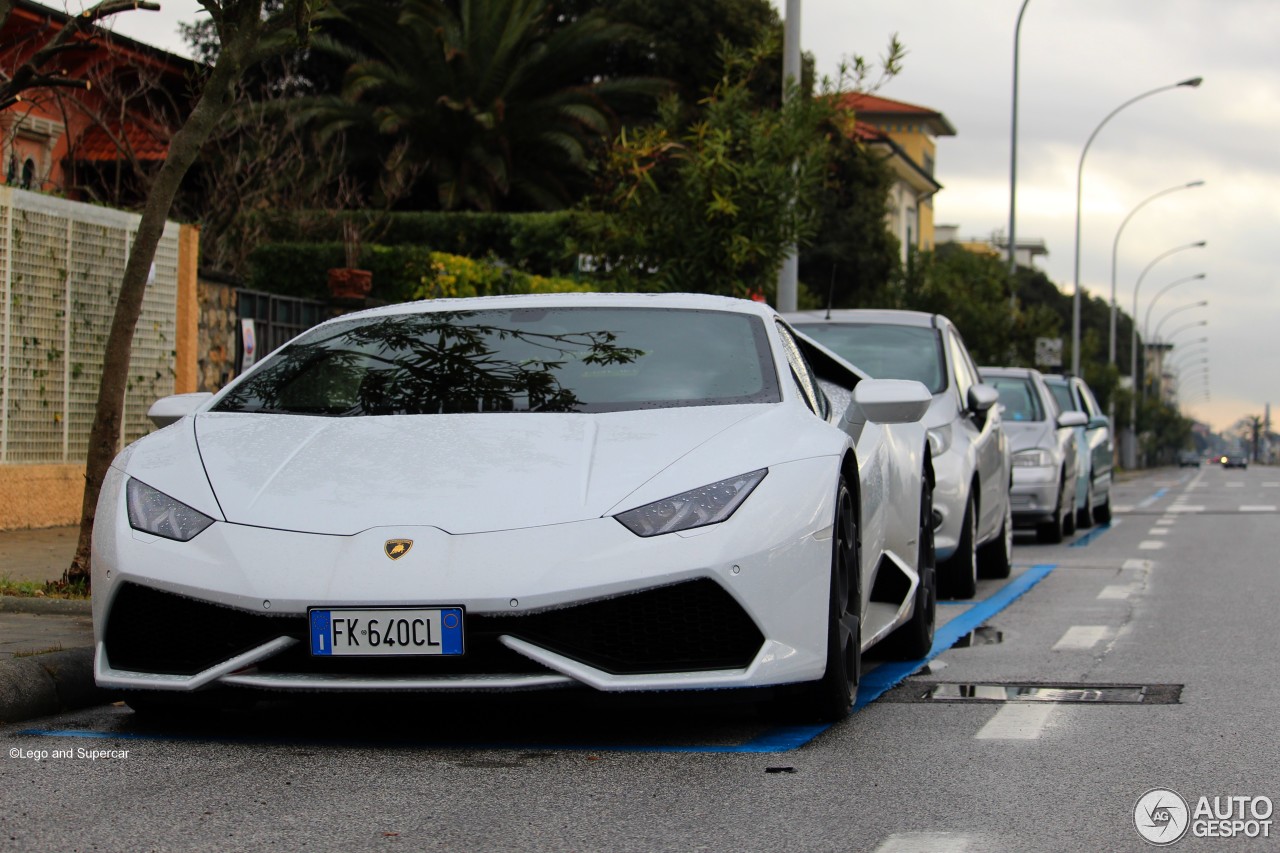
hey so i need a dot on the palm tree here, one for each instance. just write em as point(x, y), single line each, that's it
point(497, 102)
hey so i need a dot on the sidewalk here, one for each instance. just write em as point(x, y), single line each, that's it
point(46, 645)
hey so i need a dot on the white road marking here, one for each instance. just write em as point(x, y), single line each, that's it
point(1115, 592)
point(1235, 485)
point(1150, 545)
point(1081, 637)
point(1136, 565)
point(1016, 722)
point(1122, 508)
point(1186, 508)
point(1258, 508)
point(927, 842)
point(1271, 485)
point(1158, 531)
point(1164, 520)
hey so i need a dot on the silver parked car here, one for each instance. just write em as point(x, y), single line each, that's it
point(1094, 445)
point(973, 524)
point(1043, 443)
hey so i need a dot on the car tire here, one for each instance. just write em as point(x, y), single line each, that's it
point(1053, 532)
point(959, 575)
point(995, 559)
point(1084, 515)
point(1102, 512)
point(914, 640)
point(829, 699)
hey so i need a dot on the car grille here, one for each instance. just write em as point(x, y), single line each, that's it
point(685, 627)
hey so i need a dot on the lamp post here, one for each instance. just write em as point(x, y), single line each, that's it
point(1193, 353)
point(1115, 248)
point(789, 273)
point(1075, 299)
point(1146, 320)
point(1013, 166)
point(1182, 329)
point(1201, 304)
point(1130, 444)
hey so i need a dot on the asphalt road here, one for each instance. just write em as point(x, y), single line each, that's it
point(1173, 604)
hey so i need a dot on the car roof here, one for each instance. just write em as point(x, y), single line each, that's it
point(696, 301)
point(1018, 372)
point(876, 316)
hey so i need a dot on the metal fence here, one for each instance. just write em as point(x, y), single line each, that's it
point(61, 264)
point(277, 319)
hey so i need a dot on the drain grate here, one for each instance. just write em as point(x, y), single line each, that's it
point(1063, 693)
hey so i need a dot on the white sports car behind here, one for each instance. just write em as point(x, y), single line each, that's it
point(622, 492)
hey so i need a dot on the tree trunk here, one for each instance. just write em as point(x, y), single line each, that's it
point(104, 438)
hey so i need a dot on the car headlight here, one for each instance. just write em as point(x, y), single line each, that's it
point(710, 504)
point(940, 440)
point(1032, 459)
point(156, 513)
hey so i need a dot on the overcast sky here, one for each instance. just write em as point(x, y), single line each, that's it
point(1080, 59)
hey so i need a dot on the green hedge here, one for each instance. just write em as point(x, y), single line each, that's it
point(400, 273)
point(542, 243)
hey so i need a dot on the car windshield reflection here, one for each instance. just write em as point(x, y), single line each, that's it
point(522, 360)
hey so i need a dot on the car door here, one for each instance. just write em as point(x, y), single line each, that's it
point(985, 434)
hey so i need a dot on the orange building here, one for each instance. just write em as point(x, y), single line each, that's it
point(906, 134)
point(87, 143)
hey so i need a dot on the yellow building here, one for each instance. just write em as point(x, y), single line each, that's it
point(906, 134)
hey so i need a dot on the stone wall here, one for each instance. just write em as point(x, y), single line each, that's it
point(216, 355)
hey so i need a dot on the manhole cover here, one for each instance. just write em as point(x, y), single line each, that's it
point(1098, 694)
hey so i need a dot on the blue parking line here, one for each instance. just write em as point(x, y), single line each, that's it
point(1087, 539)
point(776, 739)
point(1149, 501)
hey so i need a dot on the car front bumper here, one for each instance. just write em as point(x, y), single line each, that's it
point(582, 603)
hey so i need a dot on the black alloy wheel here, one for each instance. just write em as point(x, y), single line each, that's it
point(830, 698)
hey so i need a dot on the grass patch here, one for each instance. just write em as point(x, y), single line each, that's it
point(44, 589)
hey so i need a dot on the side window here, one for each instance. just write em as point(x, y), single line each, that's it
point(806, 382)
point(1087, 401)
point(966, 374)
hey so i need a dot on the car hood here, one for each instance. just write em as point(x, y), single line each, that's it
point(460, 473)
point(1026, 435)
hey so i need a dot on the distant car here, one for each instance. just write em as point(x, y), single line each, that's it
point(624, 492)
point(973, 531)
point(1188, 459)
point(1043, 445)
point(1094, 445)
point(1235, 459)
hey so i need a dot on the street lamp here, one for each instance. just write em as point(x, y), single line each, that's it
point(1115, 247)
point(1013, 164)
point(1181, 329)
point(1202, 303)
point(1075, 299)
point(789, 272)
point(1130, 444)
point(1146, 320)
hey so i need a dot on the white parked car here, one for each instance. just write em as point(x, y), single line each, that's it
point(974, 527)
point(611, 491)
point(1094, 447)
point(1043, 443)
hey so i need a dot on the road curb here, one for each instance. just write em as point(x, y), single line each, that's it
point(58, 606)
point(45, 684)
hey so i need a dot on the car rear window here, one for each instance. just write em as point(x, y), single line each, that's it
point(515, 360)
point(886, 351)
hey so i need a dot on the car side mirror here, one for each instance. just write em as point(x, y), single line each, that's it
point(1099, 422)
point(169, 410)
point(888, 401)
point(1072, 419)
point(982, 397)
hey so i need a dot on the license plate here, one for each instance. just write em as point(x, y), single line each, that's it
point(386, 631)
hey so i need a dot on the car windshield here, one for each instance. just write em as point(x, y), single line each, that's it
point(1018, 397)
point(1062, 394)
point(515, 360)
point(886, 351)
